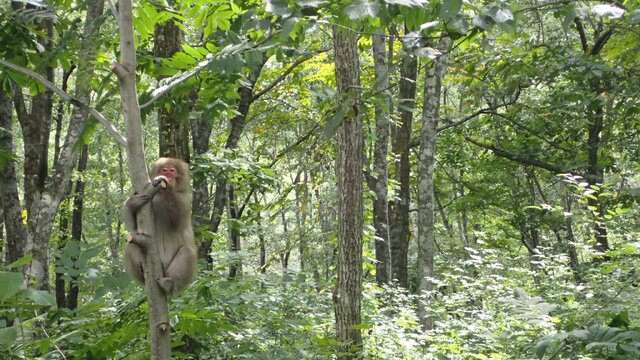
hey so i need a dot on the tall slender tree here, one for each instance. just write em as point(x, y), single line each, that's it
point(426, 163)
point(347, 296)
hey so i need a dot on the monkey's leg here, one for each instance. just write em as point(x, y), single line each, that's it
point(133, 262)
point(180, 271)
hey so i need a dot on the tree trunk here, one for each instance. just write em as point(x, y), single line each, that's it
point(426, 163)
point(348, 292)
point(45, 203)
point(9, 196)
point(60, 283)
point(378, 182)
point(237, 127)
point(159, 329)
point(36, 127)
point(302, 201)
point(235, 268)
point(284, 255)
point(174, 128)
point(399, 208)
point(76, 225)
point(200, 134)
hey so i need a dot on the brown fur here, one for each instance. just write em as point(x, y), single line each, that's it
point(171, 208)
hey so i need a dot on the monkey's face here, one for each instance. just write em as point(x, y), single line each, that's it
point(170, 172)
point(175, 172)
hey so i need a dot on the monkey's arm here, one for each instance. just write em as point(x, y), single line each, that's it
point(137, 200)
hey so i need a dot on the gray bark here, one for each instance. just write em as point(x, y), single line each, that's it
point(44, 206)
point(159, 329)
point(426, 162)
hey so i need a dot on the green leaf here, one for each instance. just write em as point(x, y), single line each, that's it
point(541, 347)
point(41, 297)
point(20, 262)
point(278, 7)
point(568, 20)
point(608, 11)
point(333, 124)
point(8, 336)
point(311, 3)
point(450, 9)
point(11, 283)
point(362, 8)
point(635, 16)
point(408, 3)
point(193, 52)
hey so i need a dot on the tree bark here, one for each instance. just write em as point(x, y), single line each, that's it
point(348, 292)
point(426, 163)
point(378, 182)
point(9, 195)
point(399, 208)
point(235, 268)
point(160, 335)
point(200, 134)
point(76, 224)
point(43, 209)
point(174, 128)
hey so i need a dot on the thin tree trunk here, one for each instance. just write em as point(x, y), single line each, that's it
point(200, 134)
point(261, 238)
point(174, 129)
point(399, 208)
point(348, 292)
point(235, 268)
point(426, 165)
point(44, 206)
point(76, 225)
point(237, 125)
point(60, 282)
point(284, 255)
point(378, 183)
point(301, 217)
point(9, 196)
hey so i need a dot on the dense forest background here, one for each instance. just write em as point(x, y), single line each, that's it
point(376, 179)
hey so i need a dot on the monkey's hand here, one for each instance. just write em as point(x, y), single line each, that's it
point(143, 241)
point(160, 180)
point(136, 200)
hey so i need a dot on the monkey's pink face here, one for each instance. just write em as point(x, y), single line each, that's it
point(170, 172)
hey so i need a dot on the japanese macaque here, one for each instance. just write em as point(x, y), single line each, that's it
point(171, 209)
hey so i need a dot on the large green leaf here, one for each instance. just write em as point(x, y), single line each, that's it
point(11, 283)
point(8, 335)
point(278, 7)
point(362, 8)
point(41, 297)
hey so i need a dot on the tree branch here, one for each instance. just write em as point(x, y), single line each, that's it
point(162, 90)
point(583, 37)
point(66, 97)
point(279, 156)
point(287, 72)
point(519, 158)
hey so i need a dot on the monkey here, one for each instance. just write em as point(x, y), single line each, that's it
point(171, 210)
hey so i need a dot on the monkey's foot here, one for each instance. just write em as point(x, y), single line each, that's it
point(166, 283)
